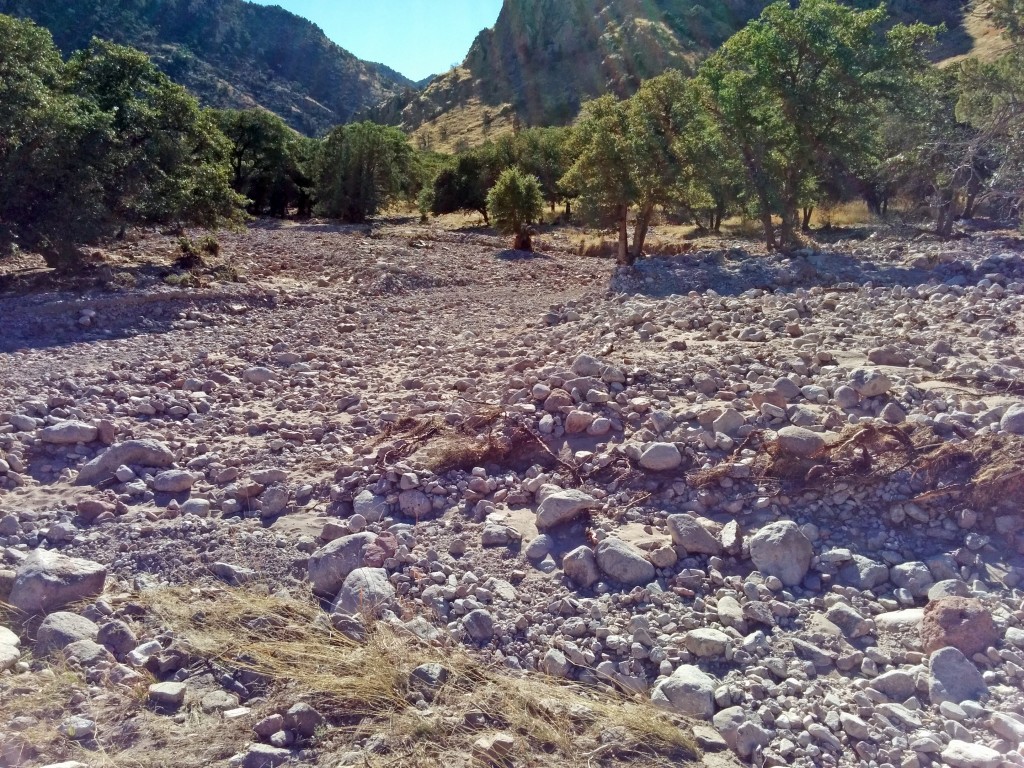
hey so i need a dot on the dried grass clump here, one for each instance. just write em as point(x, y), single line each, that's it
point(597, 248)
point(665, 246)
point(488, 435)
point(363, 687)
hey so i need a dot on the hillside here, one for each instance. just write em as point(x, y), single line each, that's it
point(543, 58)
point(229, 53)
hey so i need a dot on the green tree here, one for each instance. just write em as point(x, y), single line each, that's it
point(362, 168)
point(165, 160)
point(265, 159)
point(602, 151)
point(991, 101)
point(462, 187)
point(99, 143)
point(801, 88)
point(515, 201)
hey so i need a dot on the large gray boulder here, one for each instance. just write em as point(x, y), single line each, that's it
point(69, 433)
point(953, 677)
point(46, 581)
point(661, 457)
point(146, 453)
point(688, 691)
point(559, 506)
point(365, 590)
point(781, 549)
point(61, 629)
point(692, 537)
point(330, 565)
point(799, 442)
point(624, 563)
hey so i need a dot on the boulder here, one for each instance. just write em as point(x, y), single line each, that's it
point(661, 457)
point(559, 506)
point(869, 382)
point(966, 754)
point(147, 453)
point(330, 565)
point(62, 628)
point(953, 677)
point(1013, 420)
point(688, 691)
point(781, 549)
point(372, 507)
point(690, 536)
point(800, 443)
point(864, 573)
point(48, 580)
point(961, 622)
point(580, 566)
point(364, 590)
point(623, 562)
point(69, 433)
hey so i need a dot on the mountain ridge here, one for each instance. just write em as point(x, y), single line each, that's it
point(229, 53)
point(543, 58)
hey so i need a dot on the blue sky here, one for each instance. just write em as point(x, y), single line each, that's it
point(415, 37)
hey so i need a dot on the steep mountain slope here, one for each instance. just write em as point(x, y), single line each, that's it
point(543, 58)
point(230, 53)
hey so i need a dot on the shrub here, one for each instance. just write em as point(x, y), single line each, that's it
point(514, 202)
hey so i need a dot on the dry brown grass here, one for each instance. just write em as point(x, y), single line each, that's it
point(362, 687)
point(464, 126)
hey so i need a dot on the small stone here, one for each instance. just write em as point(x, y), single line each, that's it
point(479, 625)
point(167, 695)
point(62, 628)
point(173, 481)
point(495, 749)
point(555, 664)
point(580, 566)
point(1013, 420)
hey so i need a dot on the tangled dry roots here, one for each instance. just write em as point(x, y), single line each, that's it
point(489, 435)
point(982, 471)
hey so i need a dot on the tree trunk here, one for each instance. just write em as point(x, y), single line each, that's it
point(972, 200)
point(787, 235)
point(808, 212)
point(717, 216)
point(769, 228)
point(643, 223)
point(568, 209)
point(523, 241)
point(624, 256)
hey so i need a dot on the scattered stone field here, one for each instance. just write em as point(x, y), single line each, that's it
point(395, 496)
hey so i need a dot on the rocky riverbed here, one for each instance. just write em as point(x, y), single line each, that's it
point(776, 497)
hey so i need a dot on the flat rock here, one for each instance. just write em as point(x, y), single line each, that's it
point(964, 754)
point(167, 695)
point(692, 537)
point(265, 756)
point(559, 506)
point(173, 481)
point(623, 563)
point(1013, 420)
point(869, 382)
point(147, 453)
point(48, 580)
point(69, 433)
point(799, 442)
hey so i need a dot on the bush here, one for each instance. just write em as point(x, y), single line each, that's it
point(514, 202)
